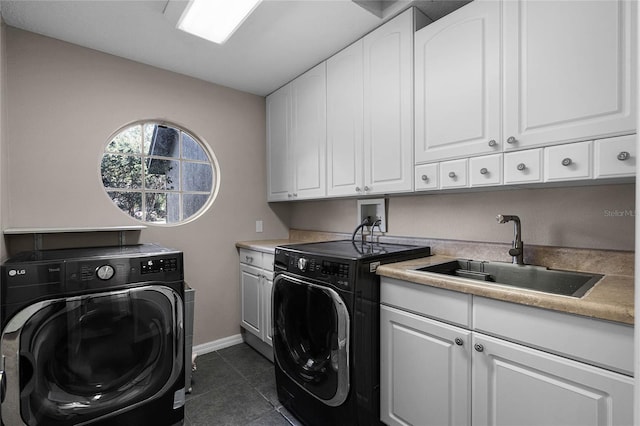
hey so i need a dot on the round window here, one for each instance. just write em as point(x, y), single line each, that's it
point(159, 173)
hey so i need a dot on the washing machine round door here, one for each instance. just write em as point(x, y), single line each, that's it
point(88, 357)
point(311, 337)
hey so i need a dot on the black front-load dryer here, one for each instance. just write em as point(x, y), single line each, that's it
point(93, 336)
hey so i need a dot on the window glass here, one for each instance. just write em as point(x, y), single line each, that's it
point(158, 173)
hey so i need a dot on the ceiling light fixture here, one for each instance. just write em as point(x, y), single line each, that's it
point(215, 20)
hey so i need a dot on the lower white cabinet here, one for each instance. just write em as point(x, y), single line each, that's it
point(256, 282)
point(425, 370)
point(517, 385)
point(435, 373)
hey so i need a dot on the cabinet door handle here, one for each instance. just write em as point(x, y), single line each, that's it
point(249, 259)
point(511, 140)
point(452, 175)
point(521, 166)
point(358, 189)
point(493, 143)
point(566, 161)
point(459, 341)
point(295, 194)
point(624, 155)
point(425, 178)
point(484, 171)
point(366, 188)
point(478, 347)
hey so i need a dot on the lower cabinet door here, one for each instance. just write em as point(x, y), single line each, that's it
point(425, 366)
point(517, 385)
point(251, 299)
point(266, 299)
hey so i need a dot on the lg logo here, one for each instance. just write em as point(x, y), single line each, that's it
point(14, 272)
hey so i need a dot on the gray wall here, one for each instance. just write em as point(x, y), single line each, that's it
point(583, 217)
point(64, 102)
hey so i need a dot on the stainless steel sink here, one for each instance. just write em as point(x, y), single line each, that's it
point(539, 278)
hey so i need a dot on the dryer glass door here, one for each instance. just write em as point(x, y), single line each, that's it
point(311, 335)
point(92, 356)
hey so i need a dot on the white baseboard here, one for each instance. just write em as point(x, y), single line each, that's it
point(215, 345)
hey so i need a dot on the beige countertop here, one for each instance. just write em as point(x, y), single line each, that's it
point(612, 298)
point(265, 246)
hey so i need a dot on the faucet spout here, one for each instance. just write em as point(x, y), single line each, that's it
point(517, 248)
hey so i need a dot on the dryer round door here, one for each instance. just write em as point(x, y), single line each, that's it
point(77, 359)
point(311, 337)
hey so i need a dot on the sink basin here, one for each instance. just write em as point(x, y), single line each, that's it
point(539, 278)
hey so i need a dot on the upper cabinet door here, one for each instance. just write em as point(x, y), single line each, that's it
point(388, 106)
point(457, 84)
point(279, 178)
point(344, 122)
point(569, 71)
point(309, 133)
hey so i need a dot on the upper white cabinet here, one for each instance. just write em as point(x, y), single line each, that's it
point(388, 105)
point(279, 170)
point(457, 84)
point(296, 138)
point(345, 161)
point(569, 71)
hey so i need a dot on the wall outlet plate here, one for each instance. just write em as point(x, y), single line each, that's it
point(375, 208)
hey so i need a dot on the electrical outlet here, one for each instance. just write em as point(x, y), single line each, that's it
point(375, 209)
point(258, 226)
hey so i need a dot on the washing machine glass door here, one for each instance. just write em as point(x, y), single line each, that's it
point(90, 357)
point(311, 337)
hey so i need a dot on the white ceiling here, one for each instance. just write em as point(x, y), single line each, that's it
point(280, 40)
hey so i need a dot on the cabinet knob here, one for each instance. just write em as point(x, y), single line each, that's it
point(452, 175)
point(521, 166)
point(566, 161)
point(484, 171)
point(493, 142)
point(249, 259)
point(478, 347)
point(366, 188)
point(459, 341)
point(295, 194)
point(289, 195)
point(424, 178)
point(624, 155)
point(358, 189)
point(511, 140)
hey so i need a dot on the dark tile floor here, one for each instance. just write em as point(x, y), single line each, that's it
point(235, 386)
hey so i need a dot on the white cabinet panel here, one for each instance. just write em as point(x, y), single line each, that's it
point(570, 70)
point(425, 371)
point(567, 162)
point(388, 106)
point(523, 166)
point(426, 177)
point(615, 157)
point(457, 67)
point(309, 133)
point(485, 170)
point(453, 174)
point(279, 168)
point(513, 384)
point(251, 298)
point(345, 121)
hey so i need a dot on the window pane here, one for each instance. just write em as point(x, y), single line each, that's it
point(196, 177)
point(191, 150)
point(164, 142)
point(162, 174)
point(128, 202)
point(173, 208)
point(121, 171)
point(148, 136)
point(156, 207)
point(127, 142)
point(193, 203)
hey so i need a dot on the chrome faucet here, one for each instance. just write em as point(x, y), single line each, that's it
point(517, 248)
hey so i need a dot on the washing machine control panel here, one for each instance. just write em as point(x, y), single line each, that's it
point(317, 267)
